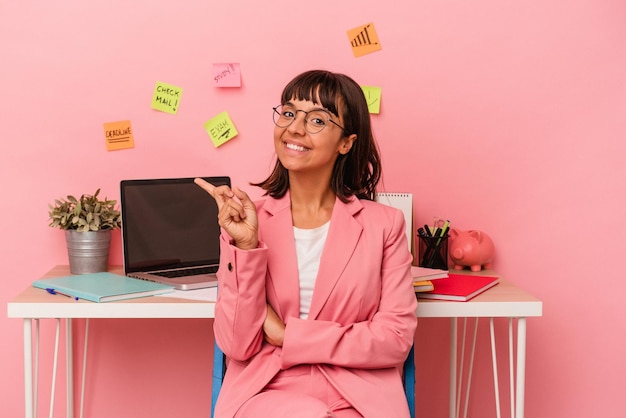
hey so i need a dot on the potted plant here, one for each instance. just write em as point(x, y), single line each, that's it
point(88, 223)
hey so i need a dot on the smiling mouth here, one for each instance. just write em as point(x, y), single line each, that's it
point(295, 147)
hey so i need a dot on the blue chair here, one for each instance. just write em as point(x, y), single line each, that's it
point(219, 368)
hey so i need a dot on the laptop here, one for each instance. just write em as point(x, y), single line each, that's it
point(170, 233)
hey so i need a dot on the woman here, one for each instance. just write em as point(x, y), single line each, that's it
point(316, 309)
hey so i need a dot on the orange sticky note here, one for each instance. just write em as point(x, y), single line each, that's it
point(364, 40)
point(118, 135)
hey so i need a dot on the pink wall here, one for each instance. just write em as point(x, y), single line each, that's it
point(503, 116)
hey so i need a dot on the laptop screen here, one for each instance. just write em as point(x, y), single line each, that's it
point(168, 223)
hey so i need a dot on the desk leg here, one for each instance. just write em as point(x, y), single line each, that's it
point(28, 368)
point(511, 371)
point(453, 350)
point(494, 361)
point(521, 367)
point(69, 369)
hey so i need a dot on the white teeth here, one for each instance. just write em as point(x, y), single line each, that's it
point(295, 147)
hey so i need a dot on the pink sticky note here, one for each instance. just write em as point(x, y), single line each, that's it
point(226, 75)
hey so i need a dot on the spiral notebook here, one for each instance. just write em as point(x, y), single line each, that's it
point(404, 202)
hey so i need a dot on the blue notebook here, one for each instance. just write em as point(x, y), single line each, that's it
point(102, 287)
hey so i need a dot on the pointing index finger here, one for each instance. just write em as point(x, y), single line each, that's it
point(208, 187)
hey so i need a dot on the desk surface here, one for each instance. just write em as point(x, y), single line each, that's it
point(502, 300)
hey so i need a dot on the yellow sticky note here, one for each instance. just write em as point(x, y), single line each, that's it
point(118, 135)
point(364, 40)
point(166, 97)
point(372, 95)
point(220, 129)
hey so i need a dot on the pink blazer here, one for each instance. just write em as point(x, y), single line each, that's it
point(362, 319)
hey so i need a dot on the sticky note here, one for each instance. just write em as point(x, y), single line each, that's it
point(220, 129)
point(372, 95)
point(166, 97)
point(364, 40)
point(226, 75)
point(118, 135)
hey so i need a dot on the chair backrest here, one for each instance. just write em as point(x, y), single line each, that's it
point(219, 369)
point(408, 373)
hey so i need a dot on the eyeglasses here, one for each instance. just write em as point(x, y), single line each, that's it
point(314, 120)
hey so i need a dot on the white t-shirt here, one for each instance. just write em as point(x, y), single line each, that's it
point(309, 247)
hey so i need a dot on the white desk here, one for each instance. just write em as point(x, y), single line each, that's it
point(502, 301)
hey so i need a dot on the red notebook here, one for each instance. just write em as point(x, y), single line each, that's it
point(459, 287)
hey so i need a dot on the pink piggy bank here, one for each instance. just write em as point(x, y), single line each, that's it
point(470, 248)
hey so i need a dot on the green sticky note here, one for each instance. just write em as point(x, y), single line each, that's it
point(166, 97)
point(220, 129)
point(372, 95)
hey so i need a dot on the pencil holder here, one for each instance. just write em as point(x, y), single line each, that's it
point(433, 252)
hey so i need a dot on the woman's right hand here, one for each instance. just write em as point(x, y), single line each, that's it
point(237, 213)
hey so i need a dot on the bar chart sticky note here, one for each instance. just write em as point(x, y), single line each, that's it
point(364, 40)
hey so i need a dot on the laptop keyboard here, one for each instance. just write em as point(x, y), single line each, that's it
point(186, 272)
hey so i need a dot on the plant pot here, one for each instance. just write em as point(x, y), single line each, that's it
point(88, 251)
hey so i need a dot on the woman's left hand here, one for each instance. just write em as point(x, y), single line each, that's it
point(273, 328)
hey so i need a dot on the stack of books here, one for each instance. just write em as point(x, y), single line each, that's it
point(459, 287)
point(423, 277)
point(431, 283)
